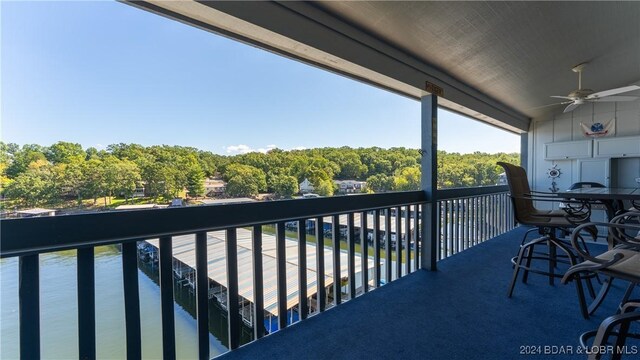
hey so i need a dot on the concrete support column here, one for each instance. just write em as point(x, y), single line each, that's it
point(429, 164)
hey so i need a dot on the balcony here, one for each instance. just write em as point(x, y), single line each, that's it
point(466, 218)
point(368, 293)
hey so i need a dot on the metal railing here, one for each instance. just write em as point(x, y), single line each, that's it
point(470, 216)
point(391, 245)
point(389, 248)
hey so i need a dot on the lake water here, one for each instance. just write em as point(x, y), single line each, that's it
point(58, 311)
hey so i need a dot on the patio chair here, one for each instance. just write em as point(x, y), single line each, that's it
point(621, 262)
point(548, 223)
point(617, 326)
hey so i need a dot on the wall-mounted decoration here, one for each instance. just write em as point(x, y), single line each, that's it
point(554, 173)
point(598, 129)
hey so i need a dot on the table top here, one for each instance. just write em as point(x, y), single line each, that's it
point(602, 193)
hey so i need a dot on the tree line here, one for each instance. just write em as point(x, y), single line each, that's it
point(33, 175)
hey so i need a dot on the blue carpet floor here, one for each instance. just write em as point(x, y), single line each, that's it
point(459, 312)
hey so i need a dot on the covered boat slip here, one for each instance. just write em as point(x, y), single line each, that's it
point(370, 223)
point(184, 251)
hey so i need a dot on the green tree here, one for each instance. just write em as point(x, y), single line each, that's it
point(33, 187)
point(380, 182)
point(194, 177)
point(407, 179)
point(325, 188)
point(284, 185)
point(248, 174)
point(64, 152)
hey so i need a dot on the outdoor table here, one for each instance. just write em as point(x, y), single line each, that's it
point(606, 196)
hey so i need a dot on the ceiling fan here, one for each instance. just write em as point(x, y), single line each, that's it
point(581, 96)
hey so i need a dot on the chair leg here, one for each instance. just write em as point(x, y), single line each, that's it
point(516, 268)
point(552, 261)
point(604, 290)
point(525, 274)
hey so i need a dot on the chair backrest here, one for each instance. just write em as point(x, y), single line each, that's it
point(585, 184)
point(519, 188)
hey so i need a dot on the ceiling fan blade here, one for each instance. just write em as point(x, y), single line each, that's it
point(571, 107)
point(614, 99)
point(549, 105)
point(561, 97)
point(610, 92)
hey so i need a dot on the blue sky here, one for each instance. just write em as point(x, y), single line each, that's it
point(99, 73)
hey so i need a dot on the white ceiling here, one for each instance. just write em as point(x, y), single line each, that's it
point(519, 53)
point(496, 61)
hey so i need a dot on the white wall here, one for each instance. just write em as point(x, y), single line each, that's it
point(558, 127)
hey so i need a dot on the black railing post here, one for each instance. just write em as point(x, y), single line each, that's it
point(376, 248)
point(29, 306)
point(387, 247)
point(364, 250)
point(351, 256)
point(321, 295)
point(337, 274)
point(258, 283)
point(131, 300)
point(233, 300)
point(202, 295)
point(86, 304)
point(303, 307)
point(281, 273)
point(166, 298)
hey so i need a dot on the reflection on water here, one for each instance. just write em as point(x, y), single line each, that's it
point(59, 318)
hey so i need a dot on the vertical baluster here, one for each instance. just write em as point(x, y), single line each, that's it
point(441, 244)
point(387, 245)
point(258, 282)
point(407, 239)
point(376, 248)
point(86, 303)
point(452, 222)
point(464, 225)
point(351, 256)
point(416, 237)
point(281, 271)
point(131, 300)
point(29, 307)
point(233, 300)
point(166, 297)
point(474, 221)
point(202, 295)
point(494, 216)
point(445, 227)
point(467, 222)
point(337, 273)
point(485, 220)
point(398, 242)
point(364, 250)
point(321, 294)
point(303, 304)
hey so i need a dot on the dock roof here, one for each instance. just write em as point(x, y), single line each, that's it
point(184, 251)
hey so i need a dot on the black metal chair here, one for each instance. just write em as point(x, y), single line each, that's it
point(617, 326)
point(546, 222)
point(621, 262)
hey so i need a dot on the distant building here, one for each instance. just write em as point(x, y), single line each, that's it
point(214, 187)
point(35, 212)
point(306, 186)
point(350, 186)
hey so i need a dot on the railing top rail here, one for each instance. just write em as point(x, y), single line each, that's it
point(44, 234)
point(455, 193)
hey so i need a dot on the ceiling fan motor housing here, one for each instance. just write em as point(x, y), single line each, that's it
point(580, 94)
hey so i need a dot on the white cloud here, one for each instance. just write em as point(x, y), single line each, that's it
point(244, 149)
